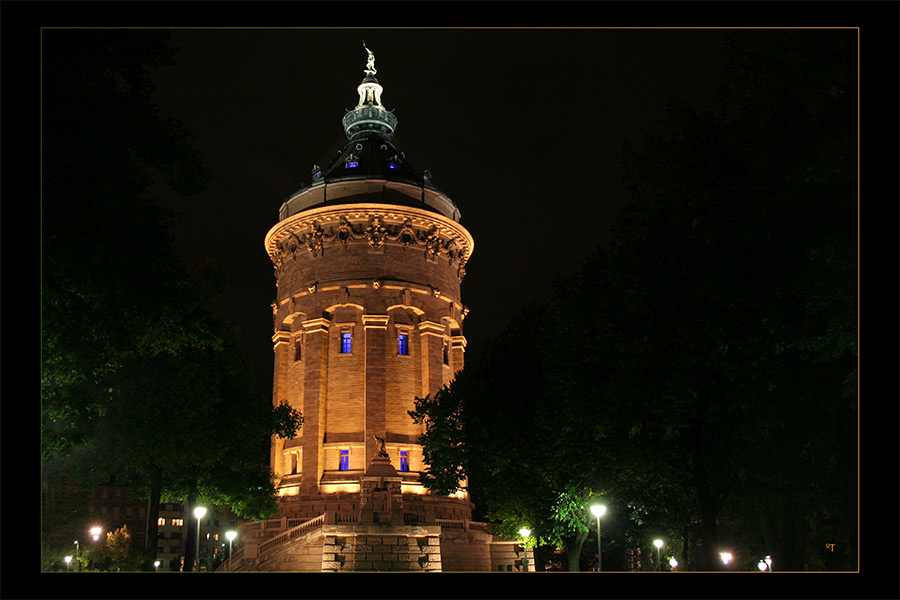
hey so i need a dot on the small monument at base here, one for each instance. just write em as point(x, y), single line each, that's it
point(381, 497)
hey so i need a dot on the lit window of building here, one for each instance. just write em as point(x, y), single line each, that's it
point(404, 460)
point(161, 521)
point(178, 522)
point(403, 344)
point(345, 460)
point(346, 342)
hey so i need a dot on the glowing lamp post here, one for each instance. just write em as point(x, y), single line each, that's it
point(525, 532)
point(76, 553)
point(673, 563)
point(659, 545)
point(230, 535)
point(68, 559)
point(598, 510)
point(156, 565)
point(726, 557)
point(768, 560)
point(198, 512)
point(95, 534)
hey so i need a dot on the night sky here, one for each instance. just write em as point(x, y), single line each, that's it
point(522, 128)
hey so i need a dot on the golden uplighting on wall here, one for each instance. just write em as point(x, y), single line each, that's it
point(332, 488)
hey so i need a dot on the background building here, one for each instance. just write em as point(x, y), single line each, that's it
point(113, 506)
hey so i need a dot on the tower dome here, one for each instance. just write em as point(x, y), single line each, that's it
point(370, 155)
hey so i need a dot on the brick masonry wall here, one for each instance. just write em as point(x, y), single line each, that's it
point(381, 552)
point(348, 398)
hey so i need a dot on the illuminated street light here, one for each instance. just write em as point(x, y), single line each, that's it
point(156, 565)
point(726, 557)
point(673, 563)
point(762, 566)
point(198, 512)
point(230, 535)
point(68, 559)
point(598, 511)
point(76, 553)
point(659, 545)
point(95, 532)
point(525, 532)
point(768, 560)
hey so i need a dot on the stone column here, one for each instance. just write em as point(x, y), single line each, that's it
point(281, 349)
point(376, 332)
point(316, 370)
point(431, 336)
point(457, 353)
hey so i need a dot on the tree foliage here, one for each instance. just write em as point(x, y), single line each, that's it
point(678, 370)
point(139, 379)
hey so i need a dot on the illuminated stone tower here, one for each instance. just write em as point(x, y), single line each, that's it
point(368, 315)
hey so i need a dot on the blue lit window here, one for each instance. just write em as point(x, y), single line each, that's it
point(403, 343)
point(345, 460)
point(404, 460)
point(346, 343)
point(352, 164)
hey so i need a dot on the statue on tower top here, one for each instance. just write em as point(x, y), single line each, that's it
point(370, 63)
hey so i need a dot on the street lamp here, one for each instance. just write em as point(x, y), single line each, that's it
point(156, 565)
point(76, 554)
point(230, 535)
point(726, 557)
point(95, 533)
point(68, 559)
point(673, 563)
point(659, 545)
point(598, 511)
point(768, 560)
point(198, 512)
point(762, 566)
point(525, 532)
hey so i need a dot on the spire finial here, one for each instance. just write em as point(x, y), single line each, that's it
point(370, 63)
point(369, 116)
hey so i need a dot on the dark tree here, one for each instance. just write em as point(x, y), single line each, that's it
point(701, 371)
point(740, 246)
point(138, 378)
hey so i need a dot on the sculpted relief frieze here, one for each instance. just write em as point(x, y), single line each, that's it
point(314, 235)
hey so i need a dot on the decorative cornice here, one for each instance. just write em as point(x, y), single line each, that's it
point(377, 225)
point(281, 337)
point(375, 321)
point(431, 328)
point(316, 325)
